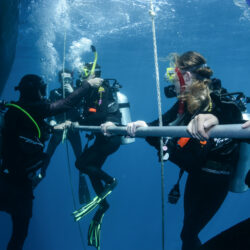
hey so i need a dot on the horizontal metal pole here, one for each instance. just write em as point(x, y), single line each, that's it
point(219, 131)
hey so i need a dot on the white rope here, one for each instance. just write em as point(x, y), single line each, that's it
point(153, 14)
point(64, 59)
point(64, 137)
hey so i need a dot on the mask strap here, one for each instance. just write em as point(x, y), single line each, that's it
point(182, 88)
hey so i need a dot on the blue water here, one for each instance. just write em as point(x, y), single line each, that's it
point(121, 32)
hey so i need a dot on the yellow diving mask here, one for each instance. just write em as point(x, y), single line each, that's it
point(170, 74)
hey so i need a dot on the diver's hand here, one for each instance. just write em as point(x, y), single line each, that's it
point(201, 124)
point(104, 127)
point(246, 124)
point(64, 125)
point(68, 88)
point(95, 82)
point(132, 127)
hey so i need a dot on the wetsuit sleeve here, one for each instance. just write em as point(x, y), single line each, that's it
point(167, 117)
point(68, 103)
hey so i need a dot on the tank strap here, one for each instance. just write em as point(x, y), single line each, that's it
point(124, 105)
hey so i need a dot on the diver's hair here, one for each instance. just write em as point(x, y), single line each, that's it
point(197, 97)
point(195, 63)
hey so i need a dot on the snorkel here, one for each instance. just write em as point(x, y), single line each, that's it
point(182, 89)
point(95, 60)
point(85, 70)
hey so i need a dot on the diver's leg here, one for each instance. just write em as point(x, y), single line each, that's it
point(92, 159)
point(75, 141)
point(84, 164)
point(76, 144)
point(90, 162)
point(96, 183)
point(236, 237)
point(54, 141)
point(19, 232)
point(105, 146)
point(204, 194)
point(21, 212)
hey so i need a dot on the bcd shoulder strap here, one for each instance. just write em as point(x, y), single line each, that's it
point(27, 114)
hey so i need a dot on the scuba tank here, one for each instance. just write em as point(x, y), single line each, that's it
point(124, 107)
point(239, 174)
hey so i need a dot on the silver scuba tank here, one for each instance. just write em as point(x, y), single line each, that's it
point(238, 176)
point(124, 108)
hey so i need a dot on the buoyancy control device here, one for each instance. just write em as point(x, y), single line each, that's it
point(238, 176)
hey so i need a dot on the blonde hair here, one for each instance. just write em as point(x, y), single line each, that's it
point(197, 95)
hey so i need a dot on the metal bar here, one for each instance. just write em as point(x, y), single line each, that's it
point(219, 131)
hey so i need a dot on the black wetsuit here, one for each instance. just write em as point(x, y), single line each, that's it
point(72, 135)
point(234, 238)
point(209, 167)
point(99, 107)
point(22, 150)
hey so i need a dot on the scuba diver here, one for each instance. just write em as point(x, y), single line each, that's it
point(99, 107)
point(208, 162)
point(66, 80)
point(24, 134)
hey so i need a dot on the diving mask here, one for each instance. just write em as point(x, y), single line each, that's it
point(170, 74)
point(66, 78)
point(85, 72)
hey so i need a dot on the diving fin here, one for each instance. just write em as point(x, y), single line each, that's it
point(78, 214)
point(83, 190)
point(94, 233)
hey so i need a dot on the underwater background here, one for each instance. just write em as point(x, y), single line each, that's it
point(122, 33)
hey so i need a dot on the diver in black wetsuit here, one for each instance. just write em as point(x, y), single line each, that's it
point(208, 162)
point(24, 134)
point(99, 107)
point(66, 81)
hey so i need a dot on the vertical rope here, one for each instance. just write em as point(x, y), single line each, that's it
point(152, 14)
point(67, 147)
point(64, 59)
point(73, 195)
